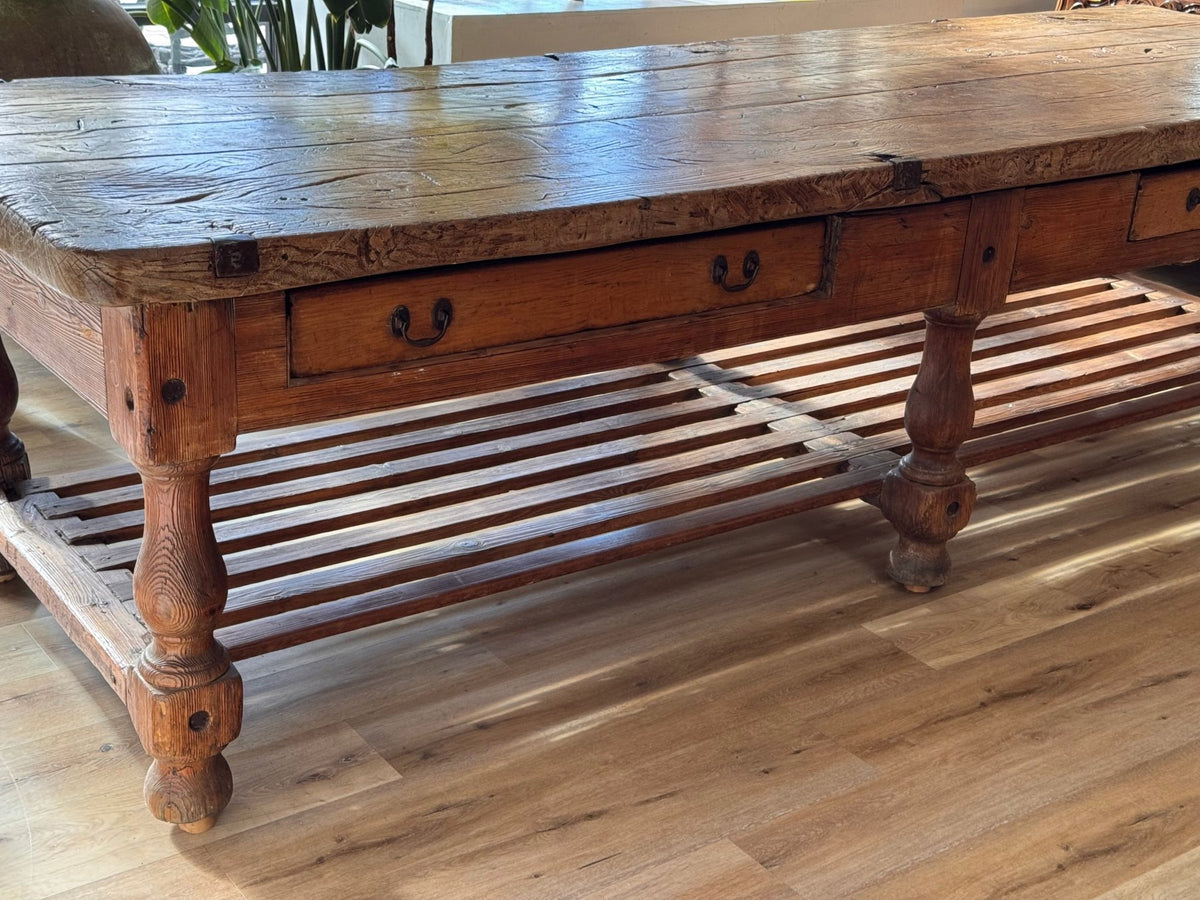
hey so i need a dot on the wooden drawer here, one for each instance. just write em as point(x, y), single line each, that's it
point(897, 261)
point(1167, 203)
point(397, 319)
point(1094, 216)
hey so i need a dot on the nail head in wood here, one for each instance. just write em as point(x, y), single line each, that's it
point(235, 256)
point(906, 174)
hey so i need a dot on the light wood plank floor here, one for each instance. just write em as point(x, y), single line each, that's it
point(760, 715)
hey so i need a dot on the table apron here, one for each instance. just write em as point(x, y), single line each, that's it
point(819, 273)
point(59, 332)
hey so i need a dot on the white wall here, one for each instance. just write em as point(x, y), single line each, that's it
point(477, 29)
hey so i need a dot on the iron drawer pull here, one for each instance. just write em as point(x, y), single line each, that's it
point(720, 270)
point(443, 315)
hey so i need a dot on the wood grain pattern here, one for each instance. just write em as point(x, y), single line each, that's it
point(1166, 203)
point(94, 618)
point(63, 334)
point(169, 371)
point(989, 249)
point(1093, 219)
point(883, 262)
point(558, 156)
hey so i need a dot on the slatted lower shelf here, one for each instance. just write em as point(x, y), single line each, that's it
point(358, 521)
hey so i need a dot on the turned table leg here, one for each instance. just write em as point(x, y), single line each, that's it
point(928, 496)
point(14, 463)
point(172, 405)
point(186, 699)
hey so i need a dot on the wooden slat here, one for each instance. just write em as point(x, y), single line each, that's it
point(380, 462)
point(453, 477)
point(79, 598)
point(1124, 411)
point(489, 544)
point(879, 338)
point(269, 445)
point(262, 636)
point(862, 404)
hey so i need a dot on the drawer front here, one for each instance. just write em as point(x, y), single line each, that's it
point(397, 319)
point(1093, 217)
point(1167, 203)
point(897, 261)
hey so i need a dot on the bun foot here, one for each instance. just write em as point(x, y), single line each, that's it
point(199, 826)
point(918, 588)
point(189, 795)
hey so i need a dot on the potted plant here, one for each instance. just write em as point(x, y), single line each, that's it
point(70, 37)
point(268, 35)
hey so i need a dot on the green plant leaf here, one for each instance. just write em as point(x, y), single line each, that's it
point(171, 15)
point(209, 35)
point(339, 8)
point(377, 12)
point(373, 51)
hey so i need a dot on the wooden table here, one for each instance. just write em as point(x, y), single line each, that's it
point(202, 258)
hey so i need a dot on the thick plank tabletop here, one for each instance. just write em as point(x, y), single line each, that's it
point(114, 190)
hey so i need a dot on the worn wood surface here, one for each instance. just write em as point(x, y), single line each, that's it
point(63, 334)
point(1092, 219)
point(111, 199)
point(1167, 203)
point(680, 725)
